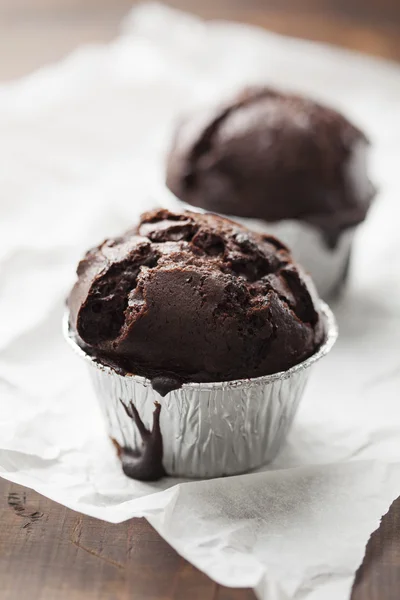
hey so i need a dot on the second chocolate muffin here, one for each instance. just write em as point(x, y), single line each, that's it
point(273, 156)
point(194, 298)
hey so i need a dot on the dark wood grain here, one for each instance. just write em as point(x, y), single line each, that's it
point(379, 576)
point(368, 26)
point(48, 552)
point(37, 32)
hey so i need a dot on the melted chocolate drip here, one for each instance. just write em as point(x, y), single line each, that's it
point(342, 281)
point(331, 238)
point(145, 463)
point(163, 384)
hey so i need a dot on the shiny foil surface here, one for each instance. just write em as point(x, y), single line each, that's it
point(208, 429)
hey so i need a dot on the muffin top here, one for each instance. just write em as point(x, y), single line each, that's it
point(273, 156)
point(193, 297)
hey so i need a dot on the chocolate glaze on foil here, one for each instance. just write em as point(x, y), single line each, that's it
point(143, 463)
point(164, 384)
point(273, 156)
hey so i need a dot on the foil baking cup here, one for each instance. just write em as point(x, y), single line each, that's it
point(327, 267)
point(208, 429)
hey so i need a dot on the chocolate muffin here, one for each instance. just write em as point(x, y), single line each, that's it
point(193, 297)
point(273, 156)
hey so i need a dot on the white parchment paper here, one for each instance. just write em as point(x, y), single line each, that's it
point(81, 148)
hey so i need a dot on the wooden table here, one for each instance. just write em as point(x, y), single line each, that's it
point(37, 32)
point(48, 552)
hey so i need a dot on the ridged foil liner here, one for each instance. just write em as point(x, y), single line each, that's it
point(208, 429)
point(328, 267)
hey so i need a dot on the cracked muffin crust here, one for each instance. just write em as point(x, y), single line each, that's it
point(193, 297)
